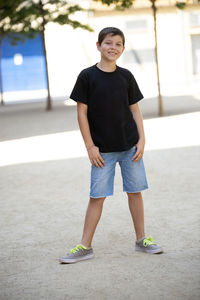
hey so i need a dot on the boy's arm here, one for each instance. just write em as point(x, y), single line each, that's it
point(93, 151)
point(137, 116)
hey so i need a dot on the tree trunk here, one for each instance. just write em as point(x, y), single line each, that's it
point(160, 102)
point(1, 81)
point(49, 104)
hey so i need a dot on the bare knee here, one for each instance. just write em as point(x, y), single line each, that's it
point(97, 201)
point(134, 195)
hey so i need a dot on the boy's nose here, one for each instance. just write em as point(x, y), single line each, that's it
point(112, 46)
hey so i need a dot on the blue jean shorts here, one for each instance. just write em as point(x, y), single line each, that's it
point(133, 174)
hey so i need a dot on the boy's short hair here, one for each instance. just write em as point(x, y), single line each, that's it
point(112, 31)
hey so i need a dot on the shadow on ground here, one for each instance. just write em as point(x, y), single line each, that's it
point(24, 120)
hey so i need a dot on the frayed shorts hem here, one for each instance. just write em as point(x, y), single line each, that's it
point(96, 197)
point(109, 195)
point(138, 191)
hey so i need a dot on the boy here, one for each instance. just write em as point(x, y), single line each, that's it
point(111, 125)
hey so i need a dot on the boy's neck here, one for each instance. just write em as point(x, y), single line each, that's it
point(107, 66)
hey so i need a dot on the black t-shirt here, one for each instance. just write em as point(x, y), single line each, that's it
point(108, 96)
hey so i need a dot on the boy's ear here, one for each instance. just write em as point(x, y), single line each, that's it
point(98, 45)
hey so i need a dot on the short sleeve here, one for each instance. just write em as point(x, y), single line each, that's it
point(134, 92)
point(80, 90)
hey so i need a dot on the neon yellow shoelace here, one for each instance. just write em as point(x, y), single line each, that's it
point(149, 241)
point(77, 248)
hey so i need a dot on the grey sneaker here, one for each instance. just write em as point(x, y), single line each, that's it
point(148, 245)
point(78, 253)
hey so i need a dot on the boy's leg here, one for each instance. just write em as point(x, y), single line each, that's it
point(136, 207)
point(134, 179)
point(84, 251)
point(101, 184)
point(92, 218)
point(143, 244)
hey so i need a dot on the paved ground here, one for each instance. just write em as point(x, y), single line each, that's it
point(44, 181)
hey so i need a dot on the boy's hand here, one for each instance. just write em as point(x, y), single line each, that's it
point(140, 150)
point(95, 157)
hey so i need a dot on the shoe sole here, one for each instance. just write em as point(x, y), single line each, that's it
point(72, 261)
point(158, 251)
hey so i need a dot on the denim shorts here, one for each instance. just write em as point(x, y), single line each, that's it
point(133, 174)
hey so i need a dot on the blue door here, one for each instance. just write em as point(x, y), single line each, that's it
point(23, 66)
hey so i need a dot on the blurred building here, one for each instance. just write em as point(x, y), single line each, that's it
point(69, 51)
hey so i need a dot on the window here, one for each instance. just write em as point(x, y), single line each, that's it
point(139, 56)
point(194, 19)
point(195, 40)
point(136, 25)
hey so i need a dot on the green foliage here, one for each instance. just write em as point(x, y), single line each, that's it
point(182, 4)
point(27, 18)
point(119, 3)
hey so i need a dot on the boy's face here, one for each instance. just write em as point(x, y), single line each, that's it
point(111, 47)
